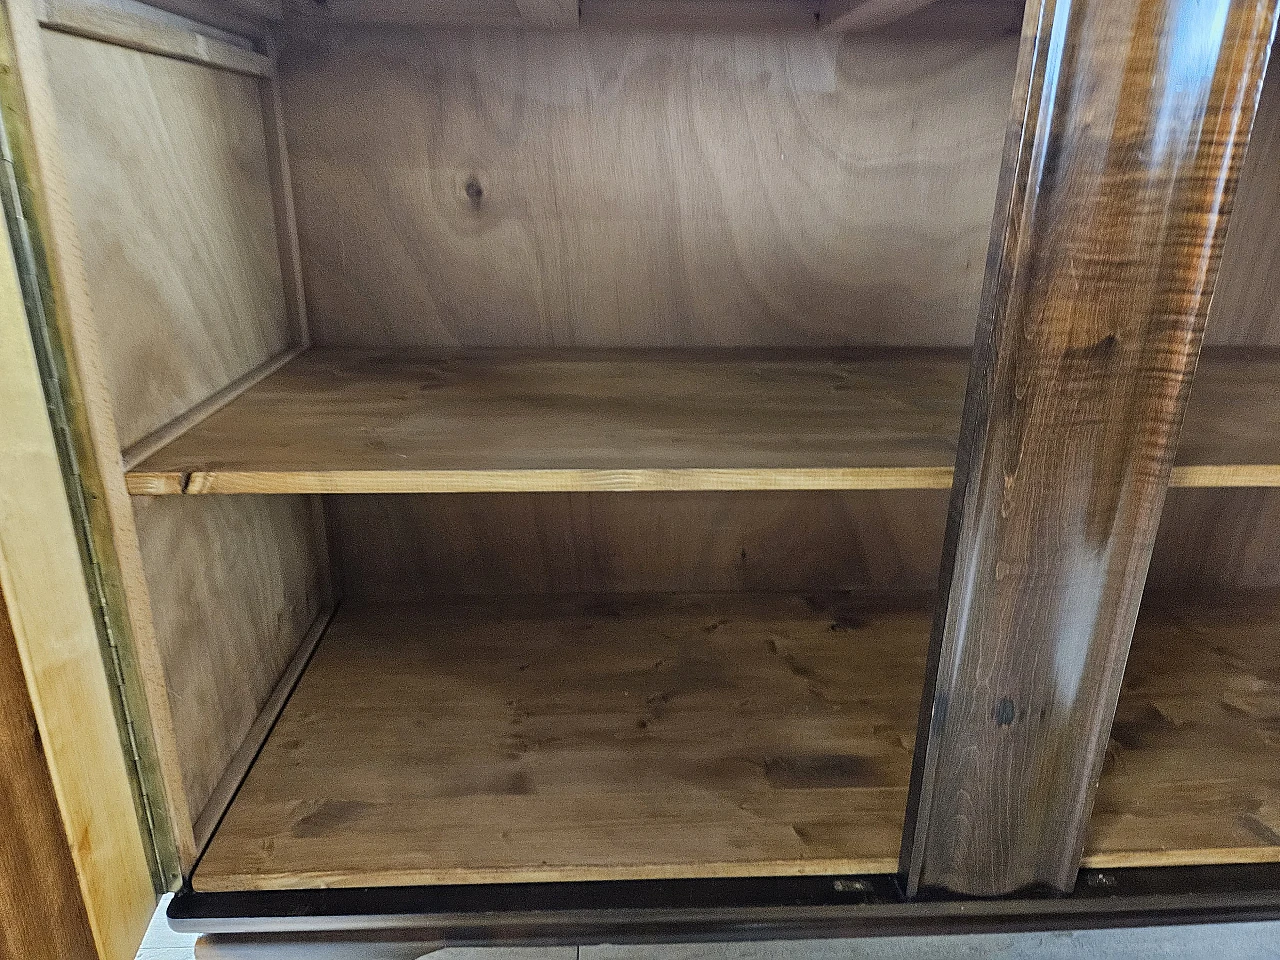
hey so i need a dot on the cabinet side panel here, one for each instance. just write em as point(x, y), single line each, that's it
point(170, 186)
point(625, 187)
point(235, 583)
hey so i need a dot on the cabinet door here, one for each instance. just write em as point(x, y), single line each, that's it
point(75, 877)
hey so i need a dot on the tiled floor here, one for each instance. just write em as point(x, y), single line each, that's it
point(1239, 941)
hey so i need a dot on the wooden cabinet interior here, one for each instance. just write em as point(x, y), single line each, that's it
point(609, 391)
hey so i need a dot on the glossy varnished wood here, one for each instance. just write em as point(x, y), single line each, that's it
point(358, 422)
point(1130, 120)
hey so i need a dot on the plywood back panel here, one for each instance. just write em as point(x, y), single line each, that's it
point(623, 187)
point(1215, 543)
point(168, 170)
point(1246, 300)
point(416, 547)
point(235, 584)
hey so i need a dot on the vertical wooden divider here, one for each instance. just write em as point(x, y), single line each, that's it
point(1130, 122)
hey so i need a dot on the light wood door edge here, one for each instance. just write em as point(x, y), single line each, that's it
point(30, 123)
point(58, 641)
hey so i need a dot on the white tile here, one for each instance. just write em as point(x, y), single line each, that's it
point(160, 937)
point(1244, 941)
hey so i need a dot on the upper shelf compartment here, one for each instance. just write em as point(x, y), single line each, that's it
point(335, 421)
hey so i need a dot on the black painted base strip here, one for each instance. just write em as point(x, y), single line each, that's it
point(731, 909)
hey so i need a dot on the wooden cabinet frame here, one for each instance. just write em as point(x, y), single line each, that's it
point(1129, 123)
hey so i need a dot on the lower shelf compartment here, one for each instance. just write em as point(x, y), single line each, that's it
point(506, 741)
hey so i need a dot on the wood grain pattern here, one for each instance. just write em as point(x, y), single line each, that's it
point(415, 548)
point(549, 13)
point(66, 799)
point(235, 584)
point(694, 736)
point(54, 260)
point(648, 188)
point(1216, 543)
point(492, 14)
point(1190, 774)
point(294, 287)
point(1127, 136)
point(238, 765)
point(335, 421)
point(44, 920)
point(583, 740)
point(729, 15)
point(350, 421)
point(135, 453)
point(167, 165)
point(245, 18)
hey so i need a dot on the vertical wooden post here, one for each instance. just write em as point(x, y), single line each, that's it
point(1130, 121)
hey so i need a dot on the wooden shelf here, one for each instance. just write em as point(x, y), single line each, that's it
point(349, 422)
point(524, 740)
point(344, 422)
point(610, 739)
point(1191, 775)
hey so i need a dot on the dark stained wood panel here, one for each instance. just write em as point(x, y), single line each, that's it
point(1127, 134)
point(1215, 543)
point(416, 548)
point(1246, 304)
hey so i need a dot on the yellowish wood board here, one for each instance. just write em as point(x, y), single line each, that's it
point(1191, 773)
point(42, 579)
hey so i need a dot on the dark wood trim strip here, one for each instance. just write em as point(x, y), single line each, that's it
point(1129, 125)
